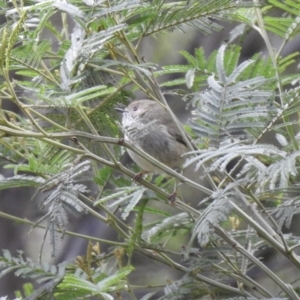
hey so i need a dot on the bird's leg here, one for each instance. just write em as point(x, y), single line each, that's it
point(175, 192)
point(172, 197)
point(140, 175)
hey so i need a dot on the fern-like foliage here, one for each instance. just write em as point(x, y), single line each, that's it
point(233, 137)
point(46, 274)
point(231, 108)
point(58, 282)
point(216, 212)
point(63, 196)
point(77, 288)
point(129, 196)
point(183, 288)
point(66, 87)
point(20, 180)
point(286, 26)
point(168, 226)
point(286, 211)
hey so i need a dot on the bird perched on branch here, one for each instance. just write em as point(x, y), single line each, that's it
point(148, 125)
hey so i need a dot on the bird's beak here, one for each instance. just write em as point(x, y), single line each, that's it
point(120, 109)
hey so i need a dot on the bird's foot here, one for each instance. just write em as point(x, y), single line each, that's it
point(140, 175)
point(172, 197)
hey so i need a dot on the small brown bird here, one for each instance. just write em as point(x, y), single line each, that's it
point(148, 125)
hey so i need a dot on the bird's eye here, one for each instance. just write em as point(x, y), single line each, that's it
point(135, 108)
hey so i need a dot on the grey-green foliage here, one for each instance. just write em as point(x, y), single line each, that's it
point(48, 274)
point(66, 140)
point(62, 196)
point(230, 107)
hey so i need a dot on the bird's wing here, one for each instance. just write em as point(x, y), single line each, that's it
point(173, 131)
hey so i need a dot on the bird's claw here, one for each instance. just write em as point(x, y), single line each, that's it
point(172, 197)
point(140, 175)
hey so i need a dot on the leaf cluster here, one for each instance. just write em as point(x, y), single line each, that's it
point(64, 141)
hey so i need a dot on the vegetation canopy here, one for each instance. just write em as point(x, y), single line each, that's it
point(65, 65)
